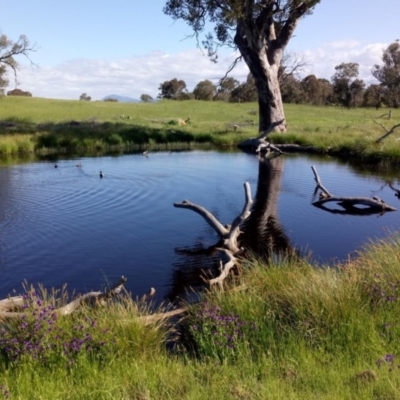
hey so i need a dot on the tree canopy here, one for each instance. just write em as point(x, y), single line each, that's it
point(174, 89)
point(9, 50)
point(388, 74)
point(259, 29)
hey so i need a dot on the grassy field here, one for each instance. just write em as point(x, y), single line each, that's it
point(289, 331)
point(286, 331)
point(43, 125)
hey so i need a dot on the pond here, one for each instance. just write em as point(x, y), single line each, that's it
point(66, 225)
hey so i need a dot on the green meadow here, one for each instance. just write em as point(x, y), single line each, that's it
point(282, 329)
point(69, 126)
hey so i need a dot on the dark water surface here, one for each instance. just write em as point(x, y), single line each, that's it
point(67, 225)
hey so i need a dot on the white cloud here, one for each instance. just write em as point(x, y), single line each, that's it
point(127, 77)
point(322, 61)
point(143, 74)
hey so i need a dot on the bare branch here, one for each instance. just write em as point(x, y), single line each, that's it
point(225, 269)
point(388, 131)
point(209, 217)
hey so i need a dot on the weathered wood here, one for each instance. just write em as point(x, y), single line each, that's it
point(232, 240)
point(229, 233)
point(348, 203)
point(254, 143)
point(160, 317)
point(388, 131)
point(353, 201)
point(318, 181)
point(99, 297)
point(224, 270)
point(221, 230)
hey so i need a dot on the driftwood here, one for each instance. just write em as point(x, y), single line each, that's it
point(224, 270)
point(9, 306)
point(228, 233)
point(14, 303)
point(388, 131)
point(374, 204)
point(159, 317)
point(254, 143)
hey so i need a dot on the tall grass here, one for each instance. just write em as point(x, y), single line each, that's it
point(288, 330)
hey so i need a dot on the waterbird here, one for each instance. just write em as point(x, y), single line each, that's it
point(101, 174)
point(79, 165)
point(55, 166)
point(145, 152)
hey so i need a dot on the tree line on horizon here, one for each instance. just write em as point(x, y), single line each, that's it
point(344, 88)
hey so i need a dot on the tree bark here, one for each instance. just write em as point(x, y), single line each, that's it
point(263, 63)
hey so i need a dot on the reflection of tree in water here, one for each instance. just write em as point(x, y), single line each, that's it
point(194, 262)
point(262, 234)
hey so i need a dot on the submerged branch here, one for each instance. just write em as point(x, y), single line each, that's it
point(375, 204)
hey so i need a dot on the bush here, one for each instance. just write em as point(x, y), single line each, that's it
point(18, 92)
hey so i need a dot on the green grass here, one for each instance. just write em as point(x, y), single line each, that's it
point(287, 331)
point(83, 127)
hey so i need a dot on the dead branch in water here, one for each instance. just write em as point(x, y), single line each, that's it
point(375, 204)
point(228, 233)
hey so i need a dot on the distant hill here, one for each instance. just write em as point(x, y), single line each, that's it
point(121, 99)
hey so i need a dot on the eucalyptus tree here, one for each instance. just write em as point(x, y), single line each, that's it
point(173, 89)
point(259, 29)
point(388, 74)
point(204, 90)
point(347, 89)
point(9, 50)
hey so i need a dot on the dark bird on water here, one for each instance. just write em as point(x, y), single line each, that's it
point(101, 174)
point(55, 166)
point(79, 165)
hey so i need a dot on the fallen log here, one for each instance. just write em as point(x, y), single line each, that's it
point(373, 205)
point(14, 303)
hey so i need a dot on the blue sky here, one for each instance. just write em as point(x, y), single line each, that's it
point(129, 47)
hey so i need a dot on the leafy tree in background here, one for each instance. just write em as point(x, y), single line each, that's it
point(146, 98)
point(347, 89)
point(84, 97)
point(292, 91)
point(388, 74)
point(225, 88)
point(205, 90)
point(245, 92)
point(317, 91)
point(9, 50)
point(373, 96)
point(174, 89)
point(259, 29)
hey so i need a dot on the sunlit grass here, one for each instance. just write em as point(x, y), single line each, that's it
point(286, 330)
point(79, 126)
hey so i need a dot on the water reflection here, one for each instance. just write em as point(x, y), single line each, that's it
point(263, 233)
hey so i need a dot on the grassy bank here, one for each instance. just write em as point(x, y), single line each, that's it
point(285, 332)
point(42, 125)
